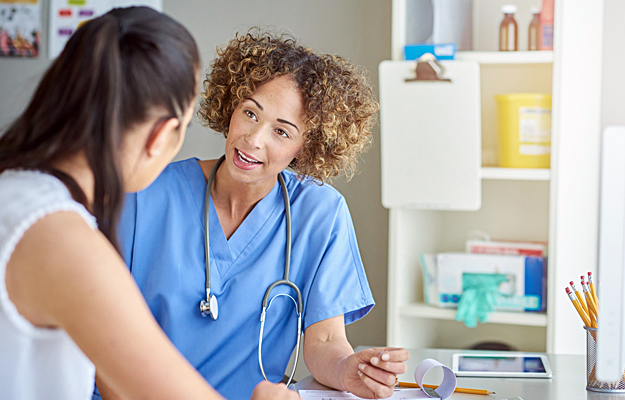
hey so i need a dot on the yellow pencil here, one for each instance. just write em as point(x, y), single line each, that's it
point(579, 297)
point(592, 314)
point(592, 317)
point(579, 308)
point(592, 289)
point(589, 298)
point(457, 390)
point(592, 308)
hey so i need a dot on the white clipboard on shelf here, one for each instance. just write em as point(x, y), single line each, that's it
point(430, 134)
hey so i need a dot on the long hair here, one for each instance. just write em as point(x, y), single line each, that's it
point(114, 71)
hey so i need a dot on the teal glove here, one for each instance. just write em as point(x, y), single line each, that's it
point(478, 297)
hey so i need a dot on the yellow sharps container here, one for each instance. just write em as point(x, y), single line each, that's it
point(524, 130)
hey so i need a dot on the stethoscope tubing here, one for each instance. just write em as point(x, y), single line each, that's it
point(211, 177)
point(284, 281)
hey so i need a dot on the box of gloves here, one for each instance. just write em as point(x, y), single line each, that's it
point(508, 282)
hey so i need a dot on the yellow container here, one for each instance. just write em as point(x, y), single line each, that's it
point(524, 130)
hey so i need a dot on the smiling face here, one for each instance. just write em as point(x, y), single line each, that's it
point(266, 133)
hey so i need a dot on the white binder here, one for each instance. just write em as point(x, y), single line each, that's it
point(431, 137)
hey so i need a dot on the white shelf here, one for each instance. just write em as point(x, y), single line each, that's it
point(517, 174)
point(506, 57)
point(420, 310)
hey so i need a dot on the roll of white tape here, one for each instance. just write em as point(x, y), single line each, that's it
point(447, 386)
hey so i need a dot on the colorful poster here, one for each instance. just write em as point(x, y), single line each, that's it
point(20, 28)
point(67, 15)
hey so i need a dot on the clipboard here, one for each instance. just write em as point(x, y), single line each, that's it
point(431, 136)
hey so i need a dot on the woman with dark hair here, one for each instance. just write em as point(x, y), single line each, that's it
point(97, 125)
point(279, 105)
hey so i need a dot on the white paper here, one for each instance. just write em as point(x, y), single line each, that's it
point(447, 386)
point(405, 394)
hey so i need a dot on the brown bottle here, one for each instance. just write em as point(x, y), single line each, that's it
point(533, 34)
point(508, 30)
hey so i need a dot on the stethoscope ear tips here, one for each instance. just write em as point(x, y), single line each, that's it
point(210, 307)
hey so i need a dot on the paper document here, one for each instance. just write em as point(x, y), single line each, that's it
point(405, 394)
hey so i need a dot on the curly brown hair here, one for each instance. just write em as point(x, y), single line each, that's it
point(337, 97)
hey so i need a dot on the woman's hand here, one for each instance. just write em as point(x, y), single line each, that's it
point(372, 373)
point(270, 391)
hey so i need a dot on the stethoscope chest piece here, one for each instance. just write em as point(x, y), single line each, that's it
point(210, 307)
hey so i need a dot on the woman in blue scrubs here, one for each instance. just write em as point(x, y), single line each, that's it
point(279, 105)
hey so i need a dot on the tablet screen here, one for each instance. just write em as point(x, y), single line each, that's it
point(517, 364)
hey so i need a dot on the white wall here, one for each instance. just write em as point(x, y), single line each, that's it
point(359, 30)
point(613, 76)
point(575, 142)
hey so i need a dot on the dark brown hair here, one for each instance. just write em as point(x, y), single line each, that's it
point(114, 71)
point(336, 94)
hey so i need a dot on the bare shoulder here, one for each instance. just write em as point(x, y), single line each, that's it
point(207, 166)
point(62, 236)
point(75, 280)
point(57, 253)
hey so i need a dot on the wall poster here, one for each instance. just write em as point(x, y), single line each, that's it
point(20, 28)
point(67, 15)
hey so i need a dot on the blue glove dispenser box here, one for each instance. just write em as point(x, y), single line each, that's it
point(524, 290)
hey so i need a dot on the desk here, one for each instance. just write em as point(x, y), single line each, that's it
point(568, 382)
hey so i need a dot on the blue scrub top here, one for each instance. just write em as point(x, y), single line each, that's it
point(162, 236)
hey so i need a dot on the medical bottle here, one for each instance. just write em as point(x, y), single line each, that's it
point(508, 29)
point(533, 33)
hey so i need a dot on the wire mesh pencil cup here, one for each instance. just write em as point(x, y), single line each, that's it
point(592, 383)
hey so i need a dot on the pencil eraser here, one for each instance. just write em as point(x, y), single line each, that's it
point(571, 283)
point(589, 273)
point(568, 290)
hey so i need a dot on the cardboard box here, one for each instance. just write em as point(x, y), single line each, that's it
point(536, 249)
point(443, 51)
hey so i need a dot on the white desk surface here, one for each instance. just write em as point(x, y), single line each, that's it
point(568, 382)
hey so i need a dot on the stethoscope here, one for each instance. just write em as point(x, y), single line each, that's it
point(210, 306)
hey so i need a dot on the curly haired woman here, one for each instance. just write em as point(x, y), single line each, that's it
point(279, 105)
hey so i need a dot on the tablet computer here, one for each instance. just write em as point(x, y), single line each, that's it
point(502, 364)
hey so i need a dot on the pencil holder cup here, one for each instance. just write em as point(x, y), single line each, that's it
point(592, 383)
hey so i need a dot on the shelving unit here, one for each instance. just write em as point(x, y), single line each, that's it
point(558, 205)
point(516, 174)
point(510, 57)
point(420, 310)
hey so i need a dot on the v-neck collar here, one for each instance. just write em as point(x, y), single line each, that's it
point(224, 253)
